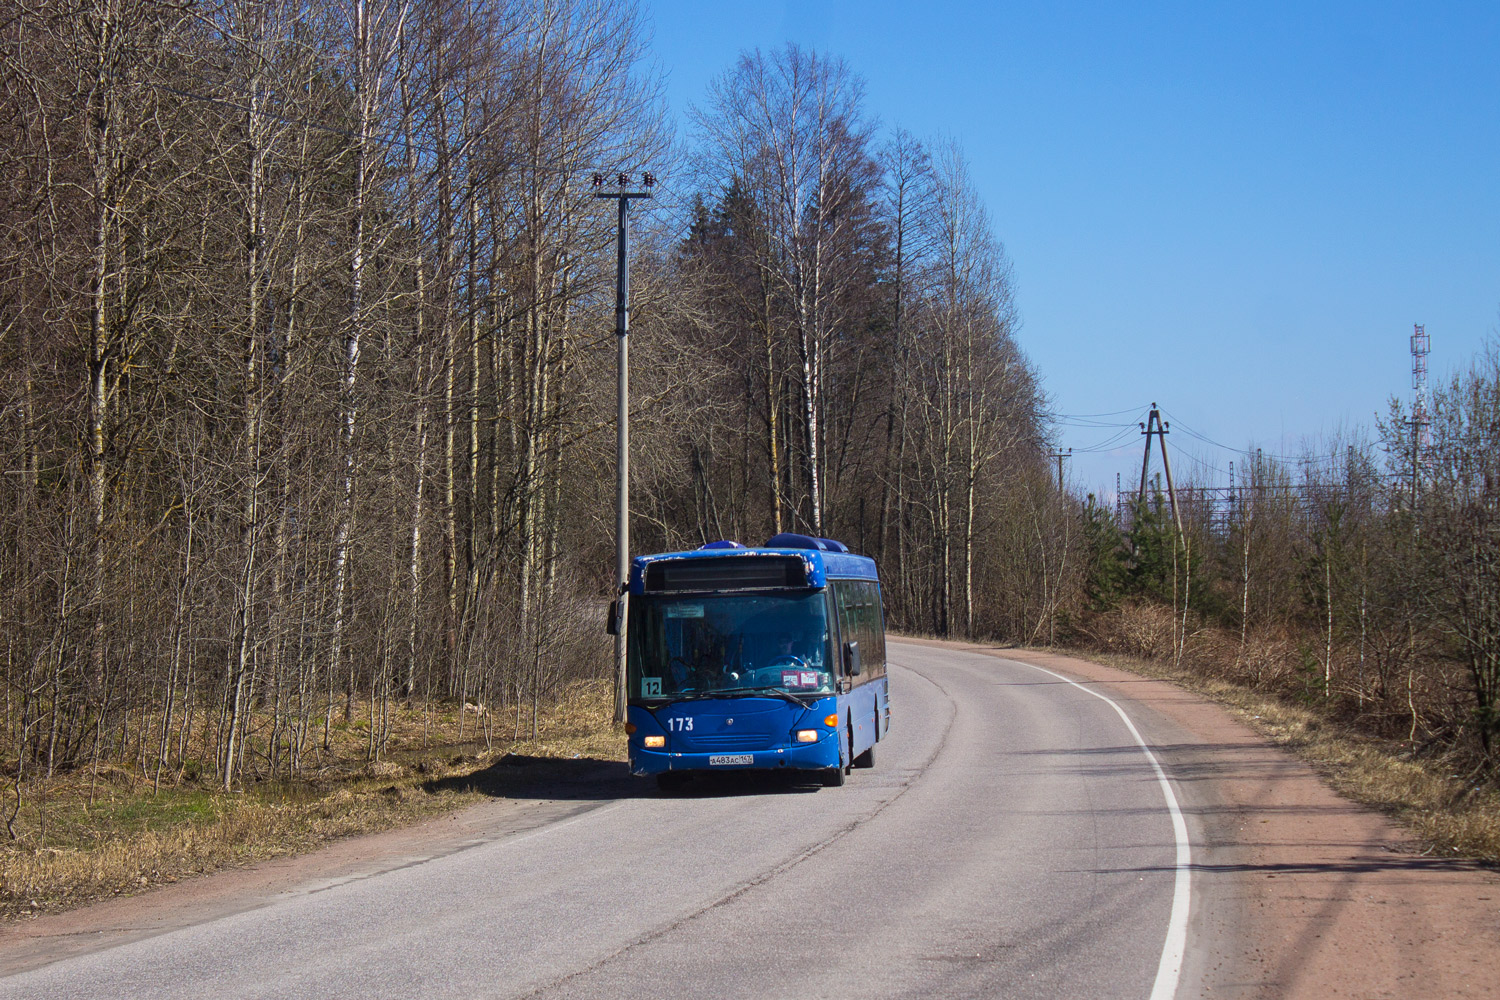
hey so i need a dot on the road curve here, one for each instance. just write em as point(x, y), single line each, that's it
point(1013, 840)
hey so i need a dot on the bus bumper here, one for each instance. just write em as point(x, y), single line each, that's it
point(799, 757)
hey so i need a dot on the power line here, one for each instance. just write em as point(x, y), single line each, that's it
point(1094, 424)
point(1137, 410)
point(1199, 436)
point(1192, 432)
point(1071, 421)
point(1110, 443)
point(1202, 463)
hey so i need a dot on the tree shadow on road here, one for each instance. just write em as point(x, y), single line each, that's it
point(1396, 862)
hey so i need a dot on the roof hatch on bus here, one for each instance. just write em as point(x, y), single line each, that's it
point(791, 540)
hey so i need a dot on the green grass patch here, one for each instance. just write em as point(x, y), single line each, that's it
point(134, 814)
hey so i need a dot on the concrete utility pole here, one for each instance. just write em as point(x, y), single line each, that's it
point(621, 192)
point(1154, 425)
point(1059, 454)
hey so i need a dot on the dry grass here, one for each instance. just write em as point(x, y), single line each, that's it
point(1452, 814)
point(580, 725)
point(83, 837)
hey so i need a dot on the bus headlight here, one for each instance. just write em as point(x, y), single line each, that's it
point(654, 742)
point(807, 736)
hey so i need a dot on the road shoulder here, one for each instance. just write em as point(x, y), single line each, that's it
point(559, 790)
point(1331, 898)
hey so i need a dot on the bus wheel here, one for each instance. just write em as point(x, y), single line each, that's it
point(672, 781)
point(866, 759)
point(833, 777)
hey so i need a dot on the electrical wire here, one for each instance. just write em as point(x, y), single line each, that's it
point(1202, 463)
point(1113, 413)
point(1191, 432)
point(1205, 439)
point(1094, 421)
point(1100, 424)
point(1108, 444)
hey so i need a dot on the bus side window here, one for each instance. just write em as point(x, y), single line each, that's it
point(876, 622)
point(861, 621)
point(848, 627)
point(835, 628)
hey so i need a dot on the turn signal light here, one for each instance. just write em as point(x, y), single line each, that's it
point(807, 736)
point(655, 741)
point(630, 729)
point(831, 722)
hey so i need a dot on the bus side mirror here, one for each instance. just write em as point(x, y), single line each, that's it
point(851, 658)
point(612, 627)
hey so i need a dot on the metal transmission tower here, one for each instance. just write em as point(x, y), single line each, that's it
point(1421, 403)
point(621, 191)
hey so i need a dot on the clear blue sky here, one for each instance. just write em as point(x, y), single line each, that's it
point(1236, 210)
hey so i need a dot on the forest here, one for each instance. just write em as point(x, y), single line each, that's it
point(307, 373)
point(307, 365)
point(1360, 578)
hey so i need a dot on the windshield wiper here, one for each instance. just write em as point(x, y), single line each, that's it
point(773, 692)
point(737, 692)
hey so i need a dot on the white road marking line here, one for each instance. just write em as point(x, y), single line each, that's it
point(1170, 967)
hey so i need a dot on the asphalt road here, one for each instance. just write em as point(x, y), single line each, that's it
point(1014, 840)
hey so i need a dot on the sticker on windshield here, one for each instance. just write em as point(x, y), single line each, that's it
point(650, 687)
point(684, 611)
point(795, 679)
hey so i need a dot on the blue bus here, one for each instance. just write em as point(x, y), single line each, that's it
point(769, 658)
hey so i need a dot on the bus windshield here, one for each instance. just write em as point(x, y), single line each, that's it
point(729, 645)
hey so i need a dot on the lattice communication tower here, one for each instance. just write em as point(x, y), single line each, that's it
point(1421, 420)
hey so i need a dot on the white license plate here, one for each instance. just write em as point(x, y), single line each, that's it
point(730, 759)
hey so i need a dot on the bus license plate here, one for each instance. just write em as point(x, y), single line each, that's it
point(730, 759)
